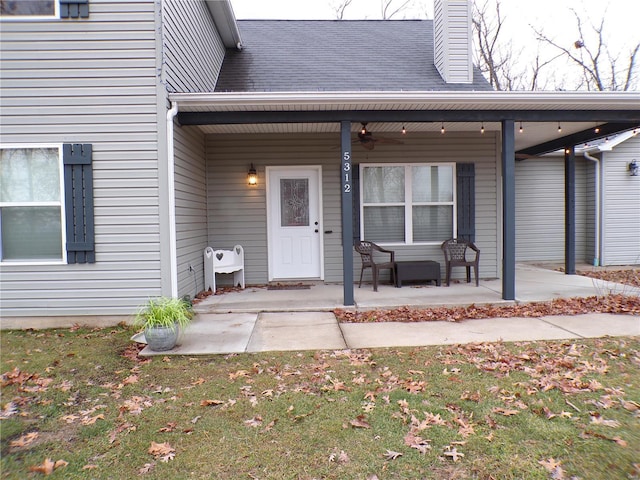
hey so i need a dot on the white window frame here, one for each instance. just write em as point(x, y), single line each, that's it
point(408, 203)
point(60, 203)
point(28, 18)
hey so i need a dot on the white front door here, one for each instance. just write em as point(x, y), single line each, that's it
point(294, 222)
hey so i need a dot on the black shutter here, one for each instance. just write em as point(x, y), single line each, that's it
point(355, 188)
point(78, 195)
point(74, 8)
point(466, 200)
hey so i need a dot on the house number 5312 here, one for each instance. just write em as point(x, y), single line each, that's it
point(346, 168)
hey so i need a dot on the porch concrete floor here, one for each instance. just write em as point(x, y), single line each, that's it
point(257, 319)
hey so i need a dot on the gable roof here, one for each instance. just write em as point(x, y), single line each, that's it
point(336, 55)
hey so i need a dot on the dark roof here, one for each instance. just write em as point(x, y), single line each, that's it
point(332, 55)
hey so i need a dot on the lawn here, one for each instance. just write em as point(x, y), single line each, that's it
point(80, 403)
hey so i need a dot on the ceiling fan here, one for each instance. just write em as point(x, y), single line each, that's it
point(368, 140)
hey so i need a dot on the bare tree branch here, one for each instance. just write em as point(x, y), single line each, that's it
point(385, 5)
point(340, 7)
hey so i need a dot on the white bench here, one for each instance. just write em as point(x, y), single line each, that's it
point(223, 261)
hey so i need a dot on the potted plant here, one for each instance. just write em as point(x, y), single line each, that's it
point(162, 318)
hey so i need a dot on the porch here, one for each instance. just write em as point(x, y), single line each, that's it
point(533, 284)
point(257, 319)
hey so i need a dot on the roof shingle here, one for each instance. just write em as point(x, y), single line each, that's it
point(336, 55)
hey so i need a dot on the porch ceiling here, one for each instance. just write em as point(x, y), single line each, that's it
point(541, 113)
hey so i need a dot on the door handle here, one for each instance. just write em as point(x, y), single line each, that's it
point(328, 231)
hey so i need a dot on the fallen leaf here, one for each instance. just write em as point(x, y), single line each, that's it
point(207, 403)
point(48, 466)
point(360, 422)
point(199, 381)
point(453, 453)
point(146, 469)
point(391, 455)
point(90, 467)
point(596, 419)
point(160, 449)
point(553, 467)
point(24, 440)
point(504, 411)
point(254, 422)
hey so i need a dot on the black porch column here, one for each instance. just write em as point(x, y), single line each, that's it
point(508, 211)
point(569, 211)
point(347, 212)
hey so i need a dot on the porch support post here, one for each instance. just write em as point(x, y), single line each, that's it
point(347, 215)
point(508, 211)
point(569, 211)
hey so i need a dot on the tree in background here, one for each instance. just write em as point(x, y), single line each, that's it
point(600, 68)
point(589, 63)
point(504, 68)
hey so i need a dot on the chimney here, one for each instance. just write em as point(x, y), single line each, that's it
point(452, 40)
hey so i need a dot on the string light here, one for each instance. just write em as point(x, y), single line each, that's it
point(404, 130)
point(482, 128)
point(597, 129)
point(364, 130)
point(521, 128)
point(442, 128)
point(559, 128)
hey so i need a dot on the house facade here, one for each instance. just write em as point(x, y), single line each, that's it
point(128, 129)
point(607, 199)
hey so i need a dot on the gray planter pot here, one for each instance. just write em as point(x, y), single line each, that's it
point(160, 339)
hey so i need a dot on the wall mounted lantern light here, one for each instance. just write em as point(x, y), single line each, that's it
point(634, 168)
point(252, 176)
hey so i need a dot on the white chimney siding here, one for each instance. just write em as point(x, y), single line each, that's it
point(452, 40)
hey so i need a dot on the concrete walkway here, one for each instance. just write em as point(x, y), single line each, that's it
point(257, 319)
point(270, 331)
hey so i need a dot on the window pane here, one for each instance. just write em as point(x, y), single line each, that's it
point(294, 202)
point(432, 183)
point(29, 175)
point(384, 224)
point(383, 184)
point(31, 233)
point(27, 7)
point(432, 223)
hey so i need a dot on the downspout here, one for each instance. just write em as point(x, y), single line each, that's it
point(598, 256)
point(171, 187)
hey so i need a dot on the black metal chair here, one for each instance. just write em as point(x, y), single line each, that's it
point(366, 251)
point(455, 255)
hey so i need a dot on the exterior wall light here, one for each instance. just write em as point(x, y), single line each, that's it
point(634, 168)
point(252, 176)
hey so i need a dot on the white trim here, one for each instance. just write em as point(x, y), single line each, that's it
point(408, 194)
point(60, 203)
point(492, 100)
point(29, 18)
point(171, 190)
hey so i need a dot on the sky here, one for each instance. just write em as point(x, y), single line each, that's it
point(553, 17)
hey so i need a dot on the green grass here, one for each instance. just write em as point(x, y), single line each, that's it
point(313, 415)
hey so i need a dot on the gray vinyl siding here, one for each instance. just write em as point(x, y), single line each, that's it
point(90, 81)
point(540, 219)
point(191, 208)
point(237, 213)
point(193, 50)
point(621, 205)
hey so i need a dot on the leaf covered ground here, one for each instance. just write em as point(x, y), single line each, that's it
point(616, 303)
point(80, 403)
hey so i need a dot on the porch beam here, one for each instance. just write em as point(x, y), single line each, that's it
point(508, 211)
point(569, 211)
point(578, 138)
point(347, 212)
point(630, 118)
